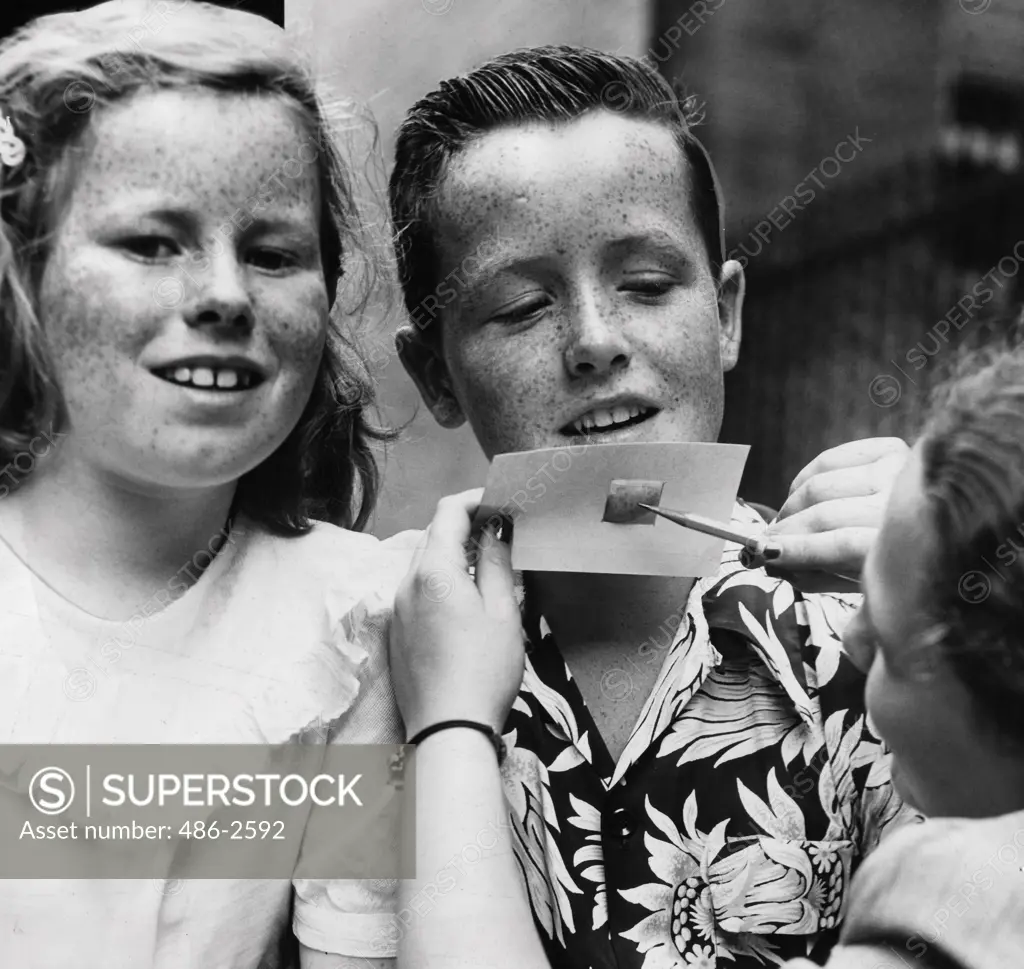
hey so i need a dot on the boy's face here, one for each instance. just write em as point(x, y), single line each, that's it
point(583, 296)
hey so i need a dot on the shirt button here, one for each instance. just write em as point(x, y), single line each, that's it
point(622, 824)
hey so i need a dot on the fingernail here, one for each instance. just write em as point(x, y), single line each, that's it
point(772, 552)
point(505, 530)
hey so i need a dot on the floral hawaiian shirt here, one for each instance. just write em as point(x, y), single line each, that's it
point(747, 794)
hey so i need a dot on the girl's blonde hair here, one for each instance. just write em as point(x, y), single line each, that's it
point(54, 73)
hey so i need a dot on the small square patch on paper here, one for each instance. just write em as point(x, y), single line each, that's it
point(622, 506)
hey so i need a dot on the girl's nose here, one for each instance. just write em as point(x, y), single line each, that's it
point(222, 299)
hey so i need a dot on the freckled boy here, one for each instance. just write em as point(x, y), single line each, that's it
point(666, 821)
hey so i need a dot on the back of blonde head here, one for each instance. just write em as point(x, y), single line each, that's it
point(55, 74)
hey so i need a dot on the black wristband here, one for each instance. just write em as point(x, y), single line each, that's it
point(489, 732)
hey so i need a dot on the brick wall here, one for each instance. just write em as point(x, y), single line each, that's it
point(784, 82)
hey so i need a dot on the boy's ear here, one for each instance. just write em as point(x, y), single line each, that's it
point(423, 362)
point(731, 289)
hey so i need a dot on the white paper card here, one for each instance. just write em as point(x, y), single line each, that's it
point(558, 498)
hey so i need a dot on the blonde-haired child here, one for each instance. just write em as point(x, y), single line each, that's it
point(177, 407)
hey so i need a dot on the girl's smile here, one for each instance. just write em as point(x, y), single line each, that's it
point(225, 387)
point(230, 374)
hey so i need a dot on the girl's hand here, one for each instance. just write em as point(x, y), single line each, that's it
point(833, 513)
point(457, 644)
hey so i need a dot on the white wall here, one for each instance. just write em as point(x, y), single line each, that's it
point(388, 53)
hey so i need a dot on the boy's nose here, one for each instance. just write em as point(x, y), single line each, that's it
point(590, 360)
point(596, 347)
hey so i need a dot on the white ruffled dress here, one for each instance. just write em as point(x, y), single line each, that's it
point(255, 652)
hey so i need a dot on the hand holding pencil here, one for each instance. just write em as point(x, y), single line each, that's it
point(821, 536)
point(757, 551)
point(833, 513)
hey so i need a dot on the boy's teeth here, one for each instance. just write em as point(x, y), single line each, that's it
point(606, 418)
point(183, 375)
point(202, 377)
point(227, 378)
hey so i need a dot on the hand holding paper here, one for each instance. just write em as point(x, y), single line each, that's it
point(456, 643)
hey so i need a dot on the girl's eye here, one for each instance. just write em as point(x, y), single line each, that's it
point(273, 260)
point(151, 247)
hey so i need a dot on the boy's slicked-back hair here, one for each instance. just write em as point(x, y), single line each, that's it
point(972, 453)
point(54, 74)
point(552, 84)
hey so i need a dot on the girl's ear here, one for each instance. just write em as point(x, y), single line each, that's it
point(731, 289)
point(424, 364)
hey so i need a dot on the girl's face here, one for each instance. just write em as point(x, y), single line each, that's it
point(941, 751)
point(184, 300)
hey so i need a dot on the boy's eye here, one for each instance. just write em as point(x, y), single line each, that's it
point(521, 311)
point(151, 247)
point(648, 284)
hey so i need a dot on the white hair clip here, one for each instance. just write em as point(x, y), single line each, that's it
point(12, 148)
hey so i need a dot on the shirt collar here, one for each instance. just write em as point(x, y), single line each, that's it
point(736, 593)
point(744, 603)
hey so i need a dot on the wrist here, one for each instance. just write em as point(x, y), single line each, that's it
point(462, 731)
point(425, 721)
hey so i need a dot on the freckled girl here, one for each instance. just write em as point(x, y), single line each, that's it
point(177, 405)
